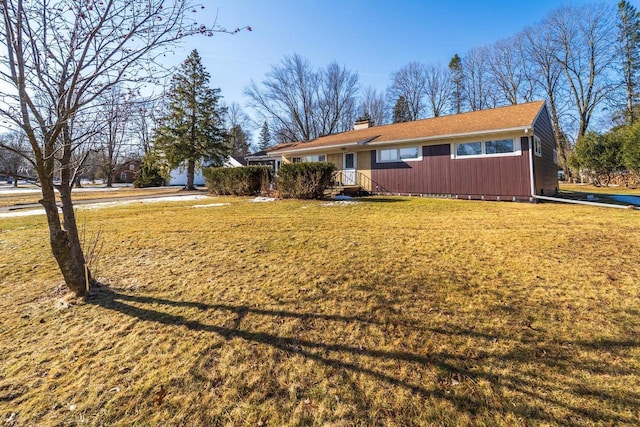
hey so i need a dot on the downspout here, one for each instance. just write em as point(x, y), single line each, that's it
point(531, 175)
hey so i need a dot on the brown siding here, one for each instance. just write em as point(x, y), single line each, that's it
point(438, 174)
point(545, 170)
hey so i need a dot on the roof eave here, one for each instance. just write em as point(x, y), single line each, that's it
point(401, 141)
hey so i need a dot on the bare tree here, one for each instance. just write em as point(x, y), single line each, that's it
point(477, 89)
point(13, 150)
point(116, 107)
point(585, 39)
point(337, 101)
point(60, 56)
point(288, 98)
point(410, 82)
point(439, 89)
point(548, 77)
point(507, 69)
point(373, 103)
point(300, 103)
point(237, 124)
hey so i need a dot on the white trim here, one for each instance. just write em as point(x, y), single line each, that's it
point(537, 142)
point(517, 146)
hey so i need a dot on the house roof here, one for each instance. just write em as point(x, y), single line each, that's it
point(514, 117)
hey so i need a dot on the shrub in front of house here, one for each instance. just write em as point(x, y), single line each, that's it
point(242, 181)
point(304, 180)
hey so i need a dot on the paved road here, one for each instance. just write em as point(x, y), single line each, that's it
point(105, 200)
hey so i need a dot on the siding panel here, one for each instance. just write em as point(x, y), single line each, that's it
point(438, 173)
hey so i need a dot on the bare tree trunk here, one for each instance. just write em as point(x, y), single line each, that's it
point(15, 181)
point(191, 168)
point(65, 243)
point(109, 179)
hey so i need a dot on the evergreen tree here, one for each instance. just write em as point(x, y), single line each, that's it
point(401, 112)
point(237, 141)
point(265, 137)
point(455, 66)
point(192, 129)
point(628, 44)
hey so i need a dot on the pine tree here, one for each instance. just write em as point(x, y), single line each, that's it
point(628, 45)
point(192, 129)
point(265, 137)
point(455, 66)
point(401, 112)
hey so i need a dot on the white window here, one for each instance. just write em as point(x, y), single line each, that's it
point(537, 146)
point(494, 147)
point(132, 167)
point(123, 176)
point(399, 154)
point(555, 156)
point(307, 159)
point(469, 149)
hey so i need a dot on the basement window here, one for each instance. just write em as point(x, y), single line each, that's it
point(490, 148)
point(399, 154)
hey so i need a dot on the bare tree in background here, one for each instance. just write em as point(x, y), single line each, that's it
point(373, 103)
point(410, 82)
point(439, 89)
point(300, 103)
point(477, 89)
point(508, 71)
point(237, 125)
point(59, 57)
point(116, 107)
point(585, 39)
point(337, 101)
point(13, 162)
point(547, 74)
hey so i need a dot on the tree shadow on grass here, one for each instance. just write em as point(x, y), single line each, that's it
point(329, 354)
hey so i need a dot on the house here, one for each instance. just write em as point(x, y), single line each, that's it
point(126, 172)
point(505, 153)
point(178, 176)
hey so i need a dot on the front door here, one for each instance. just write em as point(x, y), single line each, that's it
point(349, 169)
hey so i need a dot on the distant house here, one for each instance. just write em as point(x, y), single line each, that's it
point(178, 176)
point(505, 153)
point(126, 172)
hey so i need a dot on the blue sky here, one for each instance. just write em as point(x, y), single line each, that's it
point(374, 38)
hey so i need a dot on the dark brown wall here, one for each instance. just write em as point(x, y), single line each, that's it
point(438, 173)
point(545, 170)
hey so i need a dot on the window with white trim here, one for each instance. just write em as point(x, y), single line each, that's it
point(555, 156)
point(537, 146)
point(399, 154)
point(495, 147)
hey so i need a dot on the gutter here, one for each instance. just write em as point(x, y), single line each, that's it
point(582, 202)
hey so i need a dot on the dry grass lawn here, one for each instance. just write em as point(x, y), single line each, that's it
point(389, 311)
point(20, 197)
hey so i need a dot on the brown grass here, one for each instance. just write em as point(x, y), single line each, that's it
point(390, 311)
point(20, 197)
